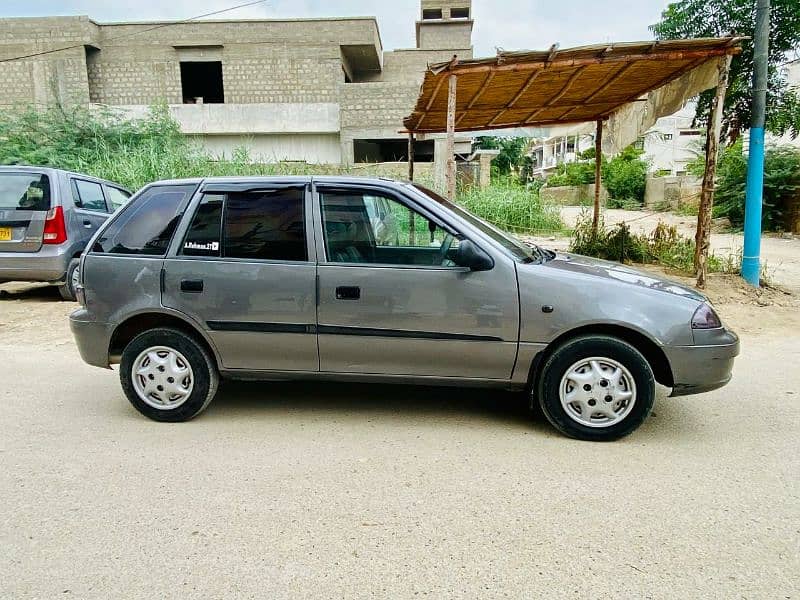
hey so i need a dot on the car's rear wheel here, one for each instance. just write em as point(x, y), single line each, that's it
point(67, 289)
point(597, 388)
point(167, 375)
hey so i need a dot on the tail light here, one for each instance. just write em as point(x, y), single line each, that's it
point(705, 318)
point(55, 230)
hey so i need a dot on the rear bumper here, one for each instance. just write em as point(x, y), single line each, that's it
point(703, 368)
point(48, 264)
point(91, 337)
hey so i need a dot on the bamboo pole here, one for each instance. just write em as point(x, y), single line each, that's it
point(685, 55)
point(411, 157)
point(598, 154)
point(450, 175)
point(703, 235)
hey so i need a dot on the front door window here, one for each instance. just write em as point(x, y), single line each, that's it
point(367, 228)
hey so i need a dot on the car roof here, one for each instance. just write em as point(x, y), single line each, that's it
point(51, 170)
point(338, 179)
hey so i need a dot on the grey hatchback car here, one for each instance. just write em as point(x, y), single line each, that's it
point(382, 281)
point(47, 216)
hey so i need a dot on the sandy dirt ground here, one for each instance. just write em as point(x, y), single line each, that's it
point(297, 490)
point(781, 257)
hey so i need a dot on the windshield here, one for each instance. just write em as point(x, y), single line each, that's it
point(517, 249)
point(24, 191)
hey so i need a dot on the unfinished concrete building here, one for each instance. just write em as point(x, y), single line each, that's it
point(314, 90)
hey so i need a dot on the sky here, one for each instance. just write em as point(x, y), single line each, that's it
point(506, 24)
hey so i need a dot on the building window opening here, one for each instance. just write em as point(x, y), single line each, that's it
point(429, 14)
point(201, 82)
point(459, 13)
point(391, 150)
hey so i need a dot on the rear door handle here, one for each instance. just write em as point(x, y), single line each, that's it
point(348, 293)
point(87, 224)
point(192, 285)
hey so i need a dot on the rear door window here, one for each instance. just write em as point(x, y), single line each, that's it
point(146, 225)
point(24, 191)
point(88, 195)
point(266, 225)
point(203, 236)
point(262, 225)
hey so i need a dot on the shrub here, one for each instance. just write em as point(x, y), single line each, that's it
point(579, 172)
point(625, 177)
point(664, 245)
point(781, 183)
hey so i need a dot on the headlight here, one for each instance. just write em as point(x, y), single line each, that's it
point(705, 318)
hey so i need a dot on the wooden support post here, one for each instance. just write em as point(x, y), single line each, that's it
point(450, 175)
point(702, 237)
point(598, 156)
point(411, 156)
point(412, 233)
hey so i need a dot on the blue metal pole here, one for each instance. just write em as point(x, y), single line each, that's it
point(751, 263)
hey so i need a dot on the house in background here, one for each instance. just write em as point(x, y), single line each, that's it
point(313, 90)
point(669, 146)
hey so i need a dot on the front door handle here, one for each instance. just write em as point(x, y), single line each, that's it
point(192, 285)
point(348, 293)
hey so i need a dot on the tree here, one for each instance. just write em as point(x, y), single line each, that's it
point(717, 18)
point(625, 177)
point(512, 152)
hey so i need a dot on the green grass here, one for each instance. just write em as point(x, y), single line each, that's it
point(512, 207)
point(135, 152)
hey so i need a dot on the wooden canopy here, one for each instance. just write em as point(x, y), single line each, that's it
point(554, 87)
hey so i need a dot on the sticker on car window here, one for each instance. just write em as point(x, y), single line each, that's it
point(213, 246)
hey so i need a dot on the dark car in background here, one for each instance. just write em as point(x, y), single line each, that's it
point(47, 216)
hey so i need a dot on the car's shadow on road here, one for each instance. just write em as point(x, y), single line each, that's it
point(34, 292)
point(408, 404)
point(236, 399)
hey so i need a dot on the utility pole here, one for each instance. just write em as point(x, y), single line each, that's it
point(751, 267)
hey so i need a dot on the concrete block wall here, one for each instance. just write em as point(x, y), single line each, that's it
point(446, 5)
point(263, 61)
point(287, 63)
point(281, 77)
point(47, 79)
point(444, 34)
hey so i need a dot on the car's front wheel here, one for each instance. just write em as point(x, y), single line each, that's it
point(597, 388)
point(167, 375)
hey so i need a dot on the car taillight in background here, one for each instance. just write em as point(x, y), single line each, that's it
point(55, 230)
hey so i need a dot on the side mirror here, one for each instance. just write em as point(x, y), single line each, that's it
point(471, 256)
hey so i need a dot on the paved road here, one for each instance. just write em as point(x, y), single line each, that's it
point(333, 491)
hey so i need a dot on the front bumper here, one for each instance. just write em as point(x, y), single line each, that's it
point(91, 337)
point(706, 366)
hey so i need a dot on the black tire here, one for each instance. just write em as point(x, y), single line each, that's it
point(204, 371)
point(66, 290)
point(577, 349)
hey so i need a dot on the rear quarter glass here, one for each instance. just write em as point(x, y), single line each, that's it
point(145, 226)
